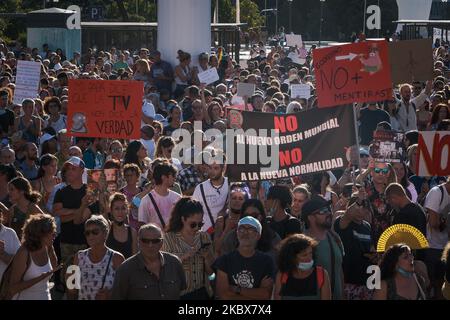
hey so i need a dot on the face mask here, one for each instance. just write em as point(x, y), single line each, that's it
point(136, 201)
point(304, 266)
point(405, 273)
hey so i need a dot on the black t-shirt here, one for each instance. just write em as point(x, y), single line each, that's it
point(413, 215)
point(287, 226)
point(368, 123)
point(245, 272)
point(6, 120)
point(357, 240)
point(70, 198)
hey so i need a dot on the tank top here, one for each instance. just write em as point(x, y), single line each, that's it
point(18, 219)
point(92, 274)
point(125, 248)
point(186, 72)
point(302, 289)
point(41, 290)
point(392, 290)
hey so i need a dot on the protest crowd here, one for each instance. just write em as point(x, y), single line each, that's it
point(137, 221)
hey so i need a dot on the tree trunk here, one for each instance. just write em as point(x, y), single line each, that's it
point(122, 10)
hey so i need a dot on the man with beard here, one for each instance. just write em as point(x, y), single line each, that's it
point(157, 205)
point(29, 167)
point(94, 155)
point(317, 216)
point(407, 106)
point(239, 193)
point(213, 193)
point(245, 273)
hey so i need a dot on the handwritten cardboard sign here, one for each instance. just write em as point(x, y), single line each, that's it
point(208, 76)
point(411, 60)
point(300, 91)
point(27, 80)
point(245, 89)
point(293, 40)
point(357, 72)
point(106, 109)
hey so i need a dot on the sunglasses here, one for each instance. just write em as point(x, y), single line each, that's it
point(94, 232)
point(152, 241)
point(194, 225)
point(117, 150)
point(383, 171)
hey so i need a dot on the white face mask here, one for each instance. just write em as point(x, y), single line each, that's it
point(304, 266)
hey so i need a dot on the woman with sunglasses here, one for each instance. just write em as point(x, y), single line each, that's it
point(46, 179)
point(97, 263)
point(121, 237)
point(399, 279)
point(194, 247)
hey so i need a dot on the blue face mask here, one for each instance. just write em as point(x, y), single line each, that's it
point(405, 273)
point(136, 201)
point(304, 266)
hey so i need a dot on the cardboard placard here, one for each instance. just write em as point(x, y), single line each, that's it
point(293, 40)
point(357, 72)
point(106, 109)
point(434, 154)
point(27, 81)
point(208, 76)
point(411, 60)
point(300, 91)
point(245, 89)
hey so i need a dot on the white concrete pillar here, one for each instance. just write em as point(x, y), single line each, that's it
point(185, 25)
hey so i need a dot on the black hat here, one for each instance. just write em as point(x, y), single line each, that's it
point(312, 205)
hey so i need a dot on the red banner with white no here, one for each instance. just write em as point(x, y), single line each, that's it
point(434, 153)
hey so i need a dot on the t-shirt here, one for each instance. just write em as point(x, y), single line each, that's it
point(60, 124)
point(368, 123)
point(12, 244)
point(436, 239)
point(147, 212)
point(216, 199)
point(6, 120)
point(245, 272)
point(412, 214)
point(357, 240)
point(70, 198)
point(287, 226)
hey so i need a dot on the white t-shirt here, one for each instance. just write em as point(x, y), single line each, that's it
point(436, 239)
point(58, 125)
point(148, 214)
point(12, 244)
point(216, 199)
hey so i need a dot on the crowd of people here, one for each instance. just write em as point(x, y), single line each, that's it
point(179, 231)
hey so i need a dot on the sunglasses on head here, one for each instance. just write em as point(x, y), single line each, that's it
point(194, 225)
point(380, 170)
point(94, 232)
point(152, 241)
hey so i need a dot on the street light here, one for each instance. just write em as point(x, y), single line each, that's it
point(321, 20)
point(290, 15)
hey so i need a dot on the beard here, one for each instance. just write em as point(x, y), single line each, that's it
point(327, 224)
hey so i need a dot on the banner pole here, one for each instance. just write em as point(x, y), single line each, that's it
point(355, 124)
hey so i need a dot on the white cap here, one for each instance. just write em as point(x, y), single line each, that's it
point(148, 109)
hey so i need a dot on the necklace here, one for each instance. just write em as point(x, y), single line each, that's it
point(217, 188)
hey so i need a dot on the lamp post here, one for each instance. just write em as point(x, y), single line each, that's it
point(276, 17)
point(290, 15)
point(321, 21)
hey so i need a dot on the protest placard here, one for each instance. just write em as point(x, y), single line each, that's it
point(357, 72)
point(434, 153)
point(27, 80)
point(269, 146)
point(411, 60)
point(293, 40)
point(300, 91)
point(245, 89)
point(106, 109)
point(102, 181)
point(208, 76)
point(387, 146)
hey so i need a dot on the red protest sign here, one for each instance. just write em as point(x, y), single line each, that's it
point(358, 72)
point(105, 109)
point(434, 154)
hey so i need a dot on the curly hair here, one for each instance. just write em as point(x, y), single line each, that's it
point(290, 247)
point(48, 101)
point(390, 258)
point(184, 208)
point(35, 228)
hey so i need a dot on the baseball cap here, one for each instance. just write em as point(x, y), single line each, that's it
point(363, 152)
point(250, 221)
point(315, 203)
point(76, 162)
point(148, 109)
point(45, 138)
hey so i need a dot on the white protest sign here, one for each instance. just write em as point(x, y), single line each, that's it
point(439, 34)
point(27, 80)
point(245, 89)
point(293, 40)
point(295, 58)
point(300, 91)
point(208, 76)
